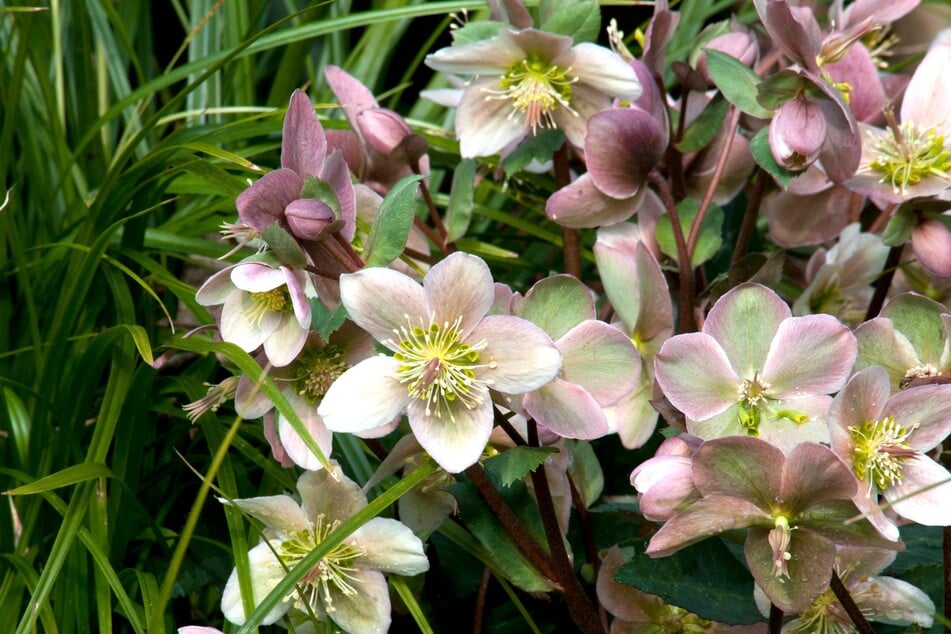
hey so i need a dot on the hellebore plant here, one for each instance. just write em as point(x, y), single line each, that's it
point(530, 79)
point(796, 508)
point(756, 370)
point(347, 585)
point(447, 355)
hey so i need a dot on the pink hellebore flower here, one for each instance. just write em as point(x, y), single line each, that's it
point(884, 439)
point(448, 354)
point(263, 304)
point(796, 507)
point(531, 79)
point(664, 483)
point(756, 370)
point(285, 195)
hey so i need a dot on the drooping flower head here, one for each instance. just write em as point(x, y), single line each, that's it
point(447, 355)
point(530, 79)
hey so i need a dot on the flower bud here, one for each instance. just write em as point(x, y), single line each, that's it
point(309, 219)
point(796, 133)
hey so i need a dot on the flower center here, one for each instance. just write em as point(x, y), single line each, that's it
point(881, 448)
point(779, 538)
point(276, 300)
point(824, 616)
point(440, 369)
point(536, 89)
point(919, 372)
point(752, 397)
point(333, 573)
point(908, 153)
point(315, 370)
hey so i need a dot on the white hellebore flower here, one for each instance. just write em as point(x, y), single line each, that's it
point(347, 585)
point(263, 304)
point(447, 355)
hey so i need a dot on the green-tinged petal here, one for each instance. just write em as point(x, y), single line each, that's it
point(518, 357)
point(924, 491)
point(894, 601)
point(364, 397)
point(266, 572)
point(601, 359)
point(810, 567)
point(567, 409)
point(454, 442)
point(279, 512)
point(707, 516)
point(292, 442)
point(389, 546)
point(744, 322)
point(460, 286)
point(365, 611)
point(862, 399)
point(813, 473)
point(632, 416)
point(382, 301)
point(809, 355)
point(556, 304)
point(835, 520)
point(739, 466)
point(581, 204)
point(788, 423)
point(881, 344)
point(331, 494)
point(695, 374)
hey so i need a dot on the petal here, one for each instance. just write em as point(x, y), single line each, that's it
point(518, 357)
point(621, 147)
point(897, 602)
point(330, 493)
point(740, 466)
point(800, 220)
point(254, 277)
point(303, 143)
point(810, 568)
point(548, 47)
point(382, 301)
point(581, 204)
point(842, 151)
point(279, 512)
point(809, 355)
point(789, 422)
point(704, 518)
point(390, 546)
point(285, 342)
point(266, 572)
point(354, 97)
point(925, 101)
point(296, 284)
point(567, 409)
point(456, 441)
point(292, 442)
point(923, 493)
point(813, 473)
point(483, 125)
point(632, 416)
point(367, 609)
point(602, 69)
point(383, 129)
point(601, 359)
point(695, 374)
point(881, 344)
point(744, 322)
point(459, 286)
point(931, 242)
point(216, 288)
point(238, 329)
point(485, 57)
point(335, 171)
point(364, 397)
point(925, 411)
point(262, 204)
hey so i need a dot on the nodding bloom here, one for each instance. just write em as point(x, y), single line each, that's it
point(530, 79)
point(447, 354)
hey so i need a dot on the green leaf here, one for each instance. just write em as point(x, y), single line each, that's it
point(514, 464)
point(20, 424)
point(899, 228)
point(581, 21)
point(324, 321)
point(484, 249)
point(70, 475)
point(922, 548)
point(737, 83)
point(322, 191)
point(585, 470)
point(476, 31)
point(705, 579)
point(704, 128)
point(141, 340)
point(540, 146)
point(461, 201)
point(391, 227)
point(710, 239)
point(284, 246)
point(777, 89)
point(759, 146)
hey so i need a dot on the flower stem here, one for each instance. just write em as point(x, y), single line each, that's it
point(750, 215)
point(717, 175)
point(570, 245)
point(444, 246)
point(775, 619)
point(683, 255)
point(883, 282)
point(848, 604)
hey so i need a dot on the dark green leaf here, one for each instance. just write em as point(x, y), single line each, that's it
point(899, 228)
point(322, 191)
point(540, 146)
point(705, 579)
point(391, 227)
point(777, 89)
point(284, 246)
point(922, 548)
point(710, 239)
point(759, 146)
point(326, 322)
point(737, 83)
point(475, 31)
point(705, 127)
point(69, 475)
point(516, 463)
point(461, 200)
point(581, 21)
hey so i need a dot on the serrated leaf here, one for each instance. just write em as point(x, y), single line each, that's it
point(899, 228)
point(514, 464)
point(69, 475)
point(759, 147)
point(539, 147)
point(704, 128)
point(581, 21)
point(923, 546)
point(710, 237)
point(461, 201)
point(391, 227)
point(737, 83)
point(284, 246)
point(322, 191)
point(476, 31)
point(705, 579)
point(326, 322)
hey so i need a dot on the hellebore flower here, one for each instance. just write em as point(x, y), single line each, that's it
point(756, 370)
point(884, 441)
point(840, 279)
point(347, 585)
point(795, 506)
point(447, 355)
point(311, 194)
point(664, 483)
point(912, 157)
point(909, 338)
point(531, 79)
point(380, 147)
point(263, 304)
point(880, 598)
point(797, 132)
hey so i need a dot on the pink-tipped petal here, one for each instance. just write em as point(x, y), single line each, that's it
point(813, 354)
point(518, 357)
point(744, 322)
point(382, 301)
point(459, 286)
point(304, 144)
point(364, 397)
point(621, 147)
point(567, 409)
point(696, 376)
